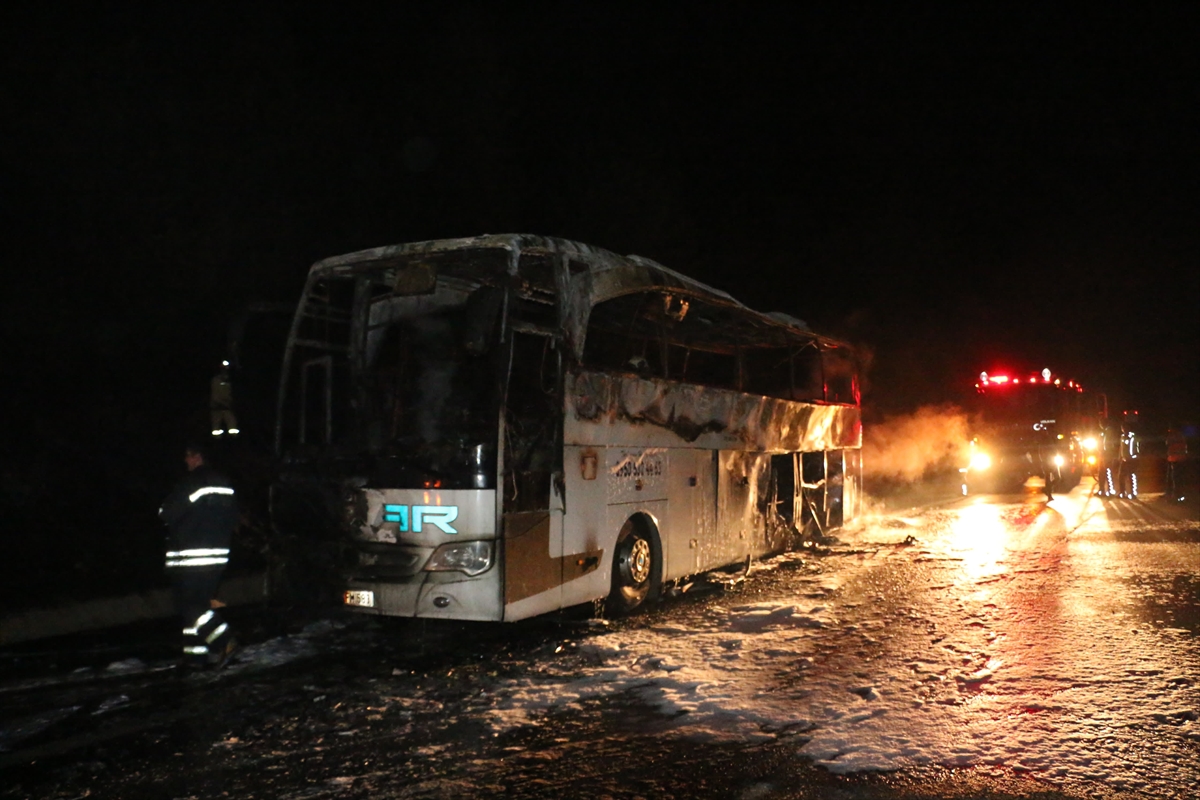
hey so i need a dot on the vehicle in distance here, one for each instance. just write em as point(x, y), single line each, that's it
point(1030, 425)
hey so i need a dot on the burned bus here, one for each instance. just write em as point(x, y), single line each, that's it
point(492, 428)
point(1031, 425)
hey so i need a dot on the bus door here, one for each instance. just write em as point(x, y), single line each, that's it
point(783, 502)
point(532, 505)
point(812, 475)
point(835, 488)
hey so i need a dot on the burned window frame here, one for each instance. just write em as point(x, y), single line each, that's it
point(645, 334)
point(526, 280)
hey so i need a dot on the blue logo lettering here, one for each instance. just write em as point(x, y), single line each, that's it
point(438, 516)
point(395, 513)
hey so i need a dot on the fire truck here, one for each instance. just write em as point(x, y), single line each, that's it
point(1026, 425)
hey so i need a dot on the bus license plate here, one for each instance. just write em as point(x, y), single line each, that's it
point(360, 597)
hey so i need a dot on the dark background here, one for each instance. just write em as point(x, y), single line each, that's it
point(954, 189)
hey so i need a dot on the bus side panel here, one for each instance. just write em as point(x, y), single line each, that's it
point(655, 413)
point(692, 494)
point(586, 533)
point(533, 568)
point(636, 483)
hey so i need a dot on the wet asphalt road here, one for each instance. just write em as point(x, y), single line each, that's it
point(1001, 647)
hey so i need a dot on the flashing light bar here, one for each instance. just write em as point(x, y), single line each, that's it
point(1046, 377)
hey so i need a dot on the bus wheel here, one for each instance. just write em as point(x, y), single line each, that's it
point(635, 567)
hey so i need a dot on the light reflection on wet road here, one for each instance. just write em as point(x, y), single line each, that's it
point(1017, 641)
point(1040, 646)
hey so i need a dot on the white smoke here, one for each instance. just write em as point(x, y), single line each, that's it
point(910, 446)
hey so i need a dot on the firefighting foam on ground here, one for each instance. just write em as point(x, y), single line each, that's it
point(979, 647)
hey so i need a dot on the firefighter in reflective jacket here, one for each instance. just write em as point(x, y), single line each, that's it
point(1110, 455)
point(201, 515)
point(1131, 448)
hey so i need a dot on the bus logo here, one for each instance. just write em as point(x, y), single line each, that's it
point(438, 516)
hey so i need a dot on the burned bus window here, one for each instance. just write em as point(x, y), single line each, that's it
point(783, 483)
point(529, 313)
point(840, 383)
point(614, 351)
point(711, 369)
point(768, 371)
point(537, 273)
point(316, 396)
point(316, 407)
point(808, 377)
point(625, 335)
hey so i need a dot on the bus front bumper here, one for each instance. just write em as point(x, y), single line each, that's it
point(445, 596)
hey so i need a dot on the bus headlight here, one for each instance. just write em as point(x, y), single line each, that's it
point(980, 462)
point(472, 558)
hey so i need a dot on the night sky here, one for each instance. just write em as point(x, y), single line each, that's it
point(953, 188)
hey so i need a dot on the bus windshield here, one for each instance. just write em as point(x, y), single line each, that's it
point(399, 365)
point(428, 378)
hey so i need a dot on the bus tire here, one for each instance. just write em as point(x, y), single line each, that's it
point(637, 566)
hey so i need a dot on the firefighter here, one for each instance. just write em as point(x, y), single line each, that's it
point(1131, 447)
point(1109, 454)
point(1046, 453)
point(220, 404)
point(201, 515)
point(1176, 455)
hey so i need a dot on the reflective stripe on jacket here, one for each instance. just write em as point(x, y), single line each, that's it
point(201, 514)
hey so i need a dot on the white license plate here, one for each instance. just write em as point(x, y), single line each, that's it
point(359, 597)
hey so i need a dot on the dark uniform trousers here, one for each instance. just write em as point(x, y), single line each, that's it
point(200, 515)
point(205, 632)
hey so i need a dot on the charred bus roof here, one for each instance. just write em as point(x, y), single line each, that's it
point(580, 275)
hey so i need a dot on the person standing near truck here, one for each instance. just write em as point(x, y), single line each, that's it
point(201, 515)
point(1049, 462)
point(1131, 448)
point(220, 403)
point(1109, 456)
point(1176, 456)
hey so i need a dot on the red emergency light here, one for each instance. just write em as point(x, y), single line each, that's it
point(1046, 376)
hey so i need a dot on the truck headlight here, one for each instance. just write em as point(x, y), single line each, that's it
point(472, 558)
point(980, 462)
